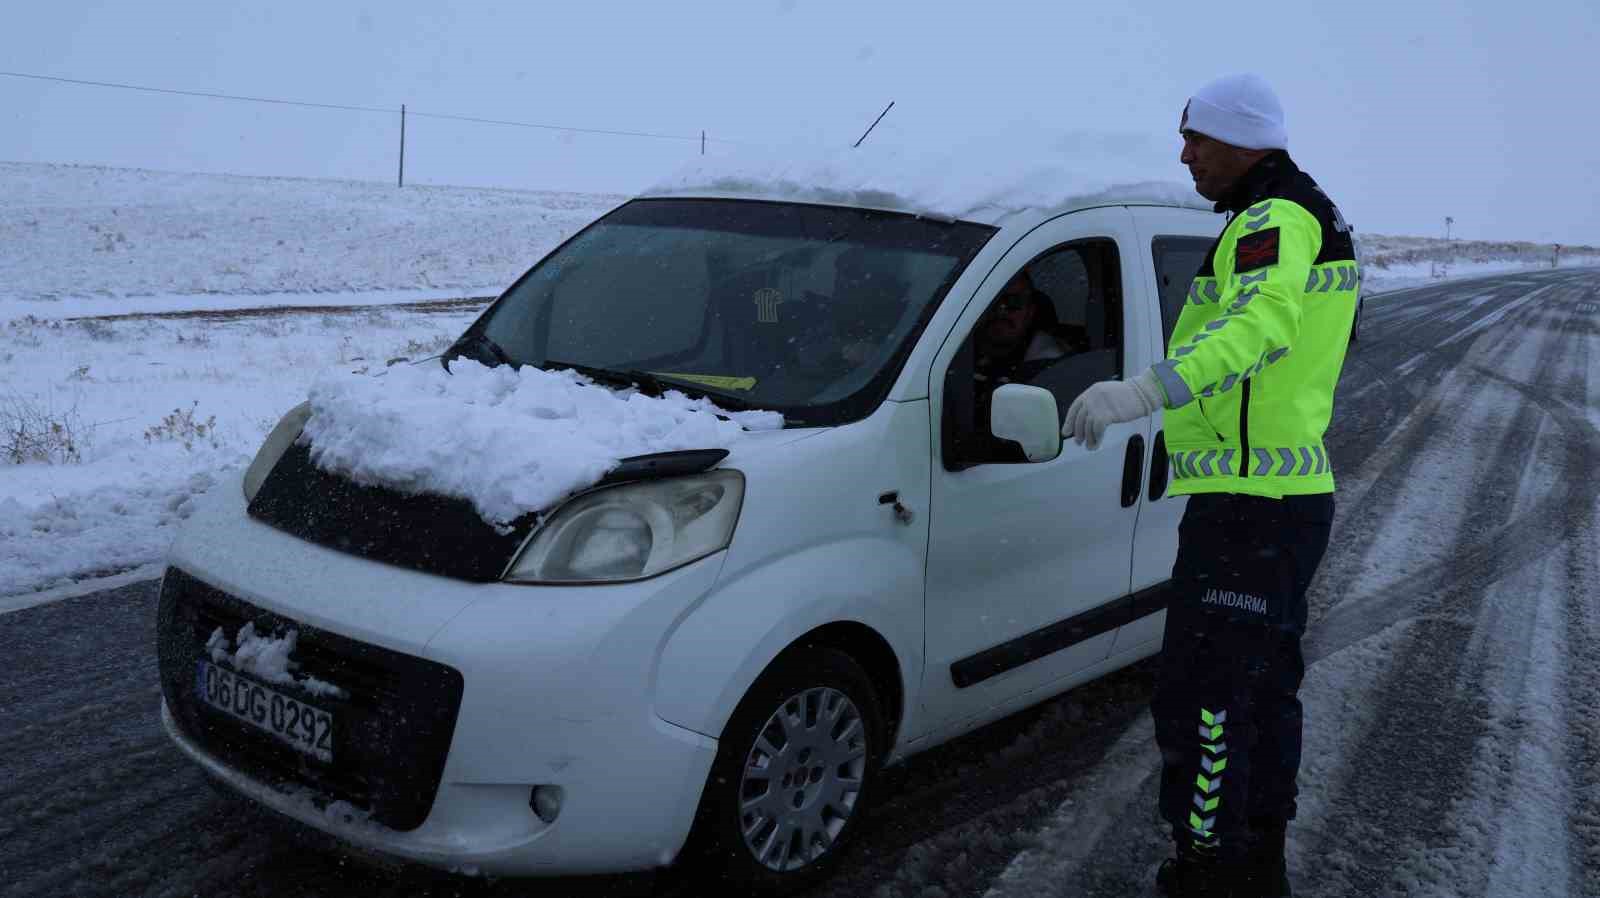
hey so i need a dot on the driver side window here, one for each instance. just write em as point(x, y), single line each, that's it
point(1055, 323)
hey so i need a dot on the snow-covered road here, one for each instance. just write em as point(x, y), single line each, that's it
point(1451, 738)
point(1452, 698)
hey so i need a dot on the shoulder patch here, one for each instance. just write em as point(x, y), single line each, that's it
point(1258, 250)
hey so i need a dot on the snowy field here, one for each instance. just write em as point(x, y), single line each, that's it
point(124, 240)
point(1393, 263)
point(113, 424)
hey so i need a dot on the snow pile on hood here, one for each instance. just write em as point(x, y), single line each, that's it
point(266, 657)
point(1017, 168)
point(509, 440)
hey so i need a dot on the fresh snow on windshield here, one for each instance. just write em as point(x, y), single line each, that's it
point(510, 440)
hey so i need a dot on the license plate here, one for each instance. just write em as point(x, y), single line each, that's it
point(303, 727)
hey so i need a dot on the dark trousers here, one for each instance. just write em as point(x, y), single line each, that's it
point(1226, 706)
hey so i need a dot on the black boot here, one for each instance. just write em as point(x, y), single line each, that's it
point(1196, 873)
point(1267, 873)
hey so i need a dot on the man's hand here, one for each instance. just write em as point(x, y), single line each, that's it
point(1111, 402)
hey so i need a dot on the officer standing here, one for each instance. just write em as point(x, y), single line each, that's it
point(1247, 388)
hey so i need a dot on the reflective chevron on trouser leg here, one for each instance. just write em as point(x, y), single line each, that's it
point(1208, 783)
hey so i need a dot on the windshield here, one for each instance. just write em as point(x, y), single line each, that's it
point(801, 309)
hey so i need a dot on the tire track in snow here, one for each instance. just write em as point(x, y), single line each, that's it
point(1517, 827)
point(70, 720)
point(109, 770)
point(1359, 536)
point(1415, 745)
point(1416, 760)
point(65, 853)
point(1581, 681)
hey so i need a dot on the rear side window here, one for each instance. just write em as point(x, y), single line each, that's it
point(1178, 260)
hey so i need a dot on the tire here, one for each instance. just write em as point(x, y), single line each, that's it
point(815, 779)
point(1355, 327)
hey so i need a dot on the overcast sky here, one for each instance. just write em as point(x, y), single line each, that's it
point(1405, 111)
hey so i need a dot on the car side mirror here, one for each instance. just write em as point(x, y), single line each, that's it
point(1027, 415)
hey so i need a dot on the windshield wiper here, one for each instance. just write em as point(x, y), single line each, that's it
point(726, 400)
point(644, 380)
point(652, 384)
point(479, 347)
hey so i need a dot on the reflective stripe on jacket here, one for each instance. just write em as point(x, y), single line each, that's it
point(1256, 352)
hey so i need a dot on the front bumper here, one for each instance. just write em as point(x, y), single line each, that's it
point(489, 830)
point(556, 688)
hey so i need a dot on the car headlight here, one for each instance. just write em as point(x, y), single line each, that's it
point(273, 447)
point(633, 531)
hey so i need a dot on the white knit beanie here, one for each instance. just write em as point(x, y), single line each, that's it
point(1240, 110)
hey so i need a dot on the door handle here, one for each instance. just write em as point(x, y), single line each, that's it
point(1158, 467)
point(1132, 470)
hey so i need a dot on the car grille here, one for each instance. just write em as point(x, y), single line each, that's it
point(393, 726)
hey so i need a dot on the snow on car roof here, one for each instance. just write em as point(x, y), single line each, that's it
point(986, 180)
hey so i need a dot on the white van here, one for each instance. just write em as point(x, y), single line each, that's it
point(711, 651)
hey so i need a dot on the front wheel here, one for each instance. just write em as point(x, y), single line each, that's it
point(794, 768)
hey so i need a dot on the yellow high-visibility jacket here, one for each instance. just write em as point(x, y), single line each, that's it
point(1256, 353)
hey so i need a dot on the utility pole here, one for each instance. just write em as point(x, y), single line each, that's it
point(702, 141)
point(1448, 221)
point(402, 180)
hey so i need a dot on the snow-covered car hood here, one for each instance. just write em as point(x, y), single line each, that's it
point(498, 448)
point(510, 441)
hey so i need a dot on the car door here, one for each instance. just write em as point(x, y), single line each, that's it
point(1172, 245)
point(1028, 559)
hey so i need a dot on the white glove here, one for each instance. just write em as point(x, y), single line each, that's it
point(1111, 402)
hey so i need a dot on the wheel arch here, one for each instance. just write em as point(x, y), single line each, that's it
point(868, 648)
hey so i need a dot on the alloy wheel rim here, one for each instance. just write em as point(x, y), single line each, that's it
point(802, 779)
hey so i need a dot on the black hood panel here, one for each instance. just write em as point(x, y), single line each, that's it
point(425, 532)
point(435, 534)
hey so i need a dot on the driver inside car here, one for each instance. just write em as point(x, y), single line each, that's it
point(1018, 337)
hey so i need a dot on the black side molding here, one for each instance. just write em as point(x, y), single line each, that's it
point(1151, 600)
point(1063, 634)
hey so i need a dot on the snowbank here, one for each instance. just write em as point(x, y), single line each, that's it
point(1393, 263)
